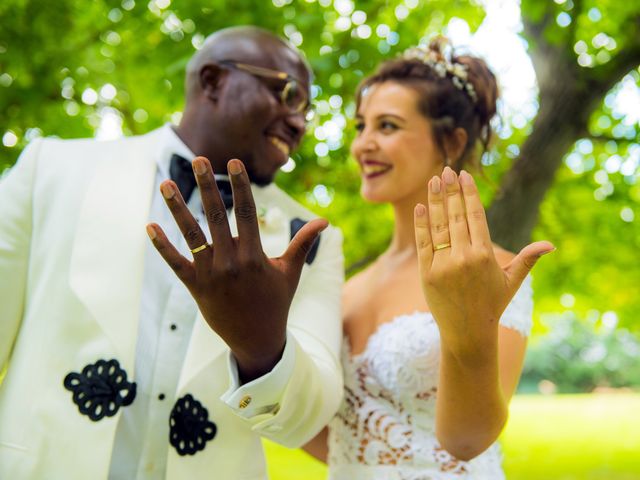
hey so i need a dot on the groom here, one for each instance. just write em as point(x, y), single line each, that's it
point(113, 370)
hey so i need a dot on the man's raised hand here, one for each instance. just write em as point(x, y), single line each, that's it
point(243, 295)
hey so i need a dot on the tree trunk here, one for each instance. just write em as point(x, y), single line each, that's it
point(568, 96)
point(514, 211)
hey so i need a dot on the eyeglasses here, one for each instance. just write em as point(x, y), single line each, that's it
point(291, 95)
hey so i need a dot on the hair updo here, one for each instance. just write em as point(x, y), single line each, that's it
point(442, 99)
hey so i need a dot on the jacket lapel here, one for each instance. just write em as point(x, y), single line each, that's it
point(273, 221)
point(109, 246)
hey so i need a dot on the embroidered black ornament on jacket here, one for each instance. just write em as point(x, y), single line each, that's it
point(101, 389)
point(190, 428)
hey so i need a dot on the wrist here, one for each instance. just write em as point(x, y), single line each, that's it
point(254, 364)
point(474, 354)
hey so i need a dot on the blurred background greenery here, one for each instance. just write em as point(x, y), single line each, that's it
point(567, 437)
point(565, 164)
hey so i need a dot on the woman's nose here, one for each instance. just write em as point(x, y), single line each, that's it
point(364, 142)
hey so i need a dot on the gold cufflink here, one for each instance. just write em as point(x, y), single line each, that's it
point(246, 400)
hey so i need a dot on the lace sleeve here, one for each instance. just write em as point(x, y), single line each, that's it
point(519, 311)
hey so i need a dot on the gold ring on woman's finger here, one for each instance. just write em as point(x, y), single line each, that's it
point(441, 246)
point(200, 248)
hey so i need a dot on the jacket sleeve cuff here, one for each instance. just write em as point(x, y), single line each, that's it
point(262, 395)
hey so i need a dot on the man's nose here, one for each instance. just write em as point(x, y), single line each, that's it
point(295, 122)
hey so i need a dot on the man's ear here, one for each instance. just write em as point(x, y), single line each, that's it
point(212, 78)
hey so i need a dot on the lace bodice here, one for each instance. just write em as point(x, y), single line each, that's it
point(385, 427)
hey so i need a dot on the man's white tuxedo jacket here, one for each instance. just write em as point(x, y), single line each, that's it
point(72, 243)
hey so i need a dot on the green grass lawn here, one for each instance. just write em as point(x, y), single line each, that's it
point(562, 437)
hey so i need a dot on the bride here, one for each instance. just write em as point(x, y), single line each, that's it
point(435, 329)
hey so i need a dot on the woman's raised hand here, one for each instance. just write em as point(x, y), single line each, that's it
point(465, 288)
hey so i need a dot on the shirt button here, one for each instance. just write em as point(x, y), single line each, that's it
point(161, 396)
point(245, 401)
point(173, 326)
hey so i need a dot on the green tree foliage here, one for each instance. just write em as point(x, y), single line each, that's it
point(572, 170)
point(585, 54)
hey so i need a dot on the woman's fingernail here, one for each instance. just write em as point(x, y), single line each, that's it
point(234, 167)
point(199, 167)
point(421, 210)
point(548, 251)
point(151, 232)
point(435, 185)
point(449, 176)
point(167, 191)
point(465, 178)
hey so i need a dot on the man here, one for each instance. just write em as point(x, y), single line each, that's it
point(112, 371)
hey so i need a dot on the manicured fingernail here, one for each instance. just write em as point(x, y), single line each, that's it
point(167, 190)
point(151, 232)
point(449, 176)
point(435, 185)
point(548, 251)
point(234, 167)
point(421, 210)
point(199, 167)
point(465, 178)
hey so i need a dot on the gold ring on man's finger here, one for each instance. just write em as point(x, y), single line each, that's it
point(441, 246)
point(200, 248)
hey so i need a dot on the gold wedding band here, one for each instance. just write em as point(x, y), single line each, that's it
point(200, 248)
point(441, 246)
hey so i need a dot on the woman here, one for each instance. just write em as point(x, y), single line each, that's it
point(429, 370)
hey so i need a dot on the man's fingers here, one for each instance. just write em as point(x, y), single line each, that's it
point(188, 225)
point(182, 267)
point(245, 209)
point(301, 245)
point(423, 236)
point(212, 204)
point(522, 263)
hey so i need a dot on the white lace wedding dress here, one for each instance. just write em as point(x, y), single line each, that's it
point(385, 427)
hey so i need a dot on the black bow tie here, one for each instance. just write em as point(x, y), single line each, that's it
point(181, 172)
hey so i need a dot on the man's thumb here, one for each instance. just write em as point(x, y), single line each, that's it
point(302, 243)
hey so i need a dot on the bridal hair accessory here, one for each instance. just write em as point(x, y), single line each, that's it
point(440, 62)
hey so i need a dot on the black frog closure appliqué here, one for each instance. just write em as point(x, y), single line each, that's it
point(190, 428)
point(100, 389)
